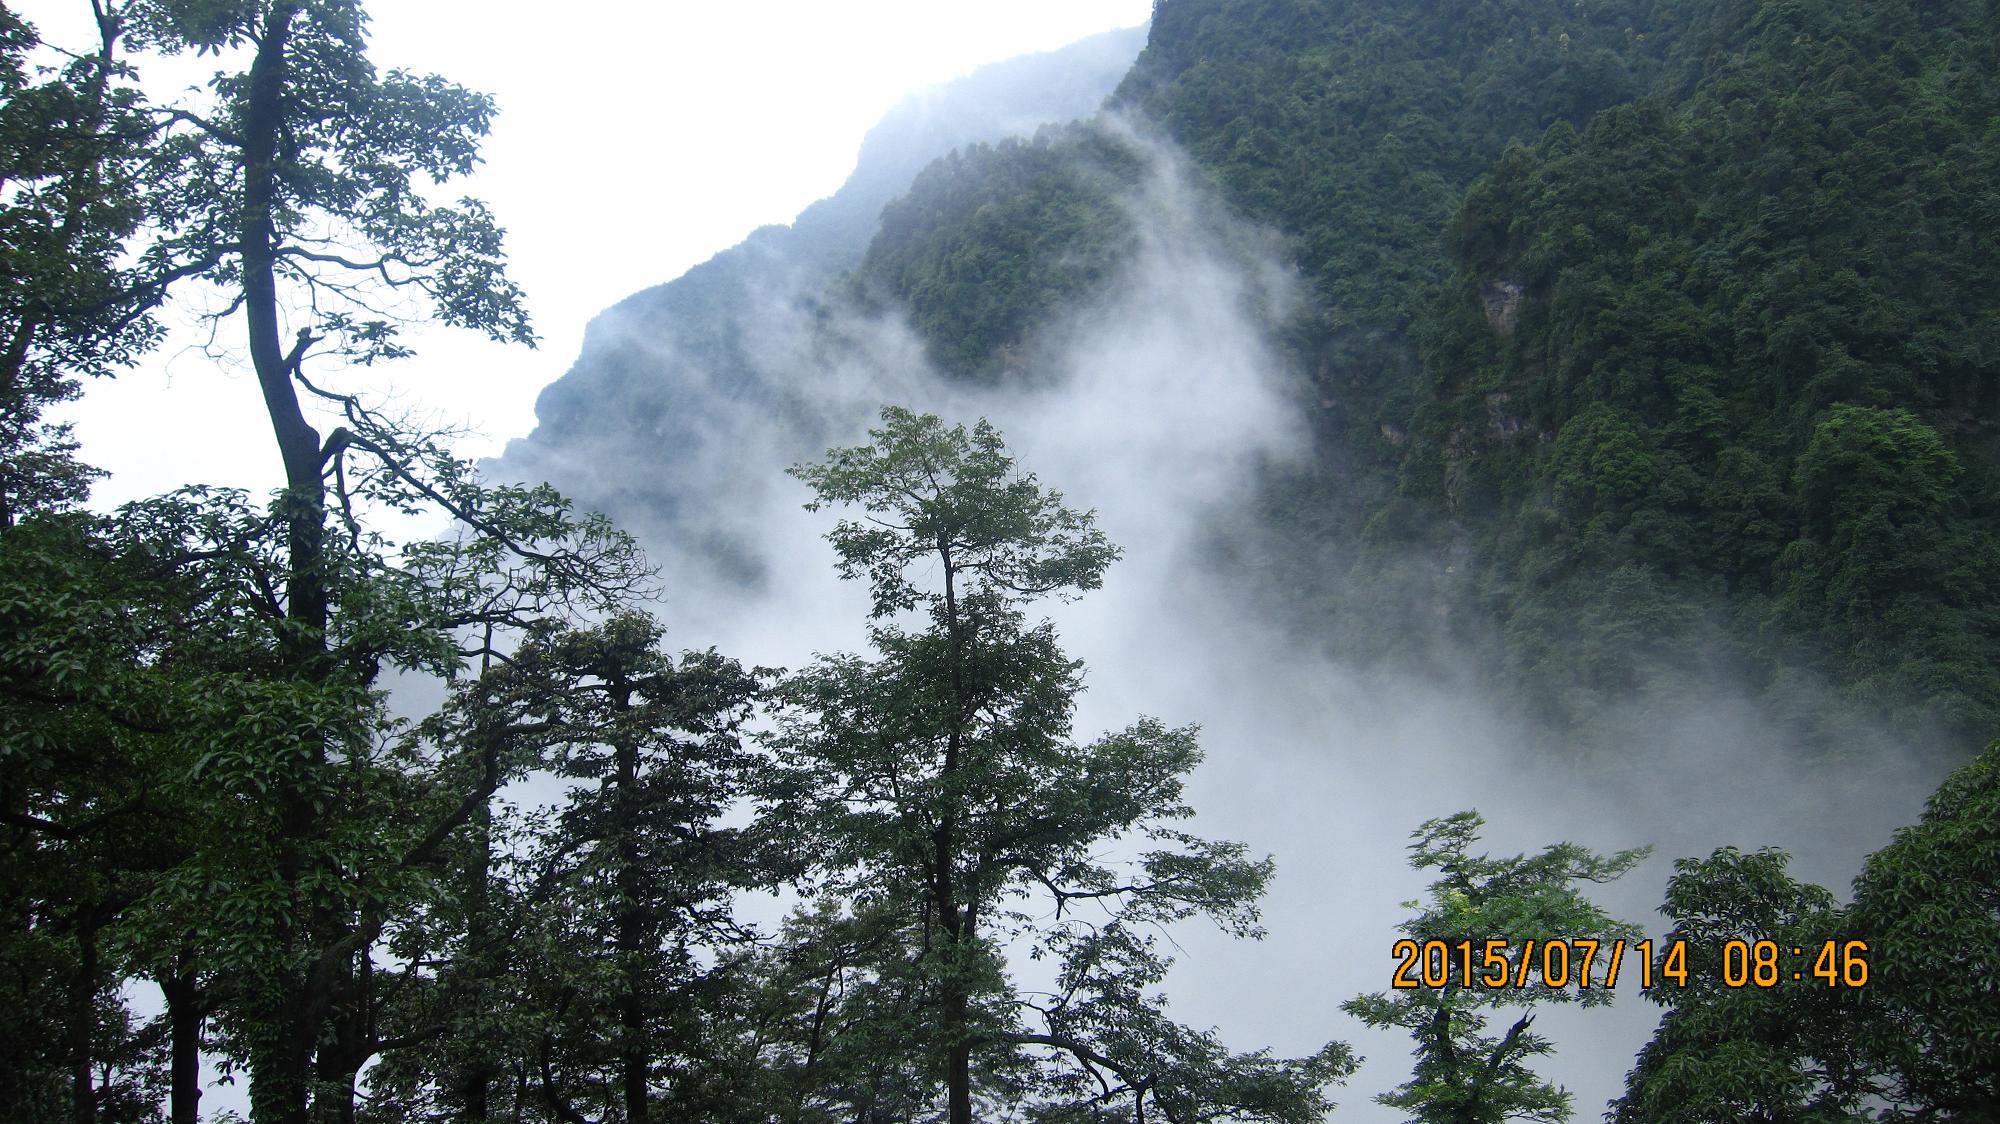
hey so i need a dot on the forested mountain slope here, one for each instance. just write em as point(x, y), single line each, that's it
point(1647, 346)
point(1756, 352)
point(658, 368)
point(1625, 372)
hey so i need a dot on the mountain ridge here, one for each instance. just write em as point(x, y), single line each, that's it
point(1553, 428)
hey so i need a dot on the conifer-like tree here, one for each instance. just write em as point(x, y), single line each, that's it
point(936, 790)
point(232, 794)
point(1499, 910)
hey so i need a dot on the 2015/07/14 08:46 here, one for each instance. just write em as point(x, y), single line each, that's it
point(1556, 963)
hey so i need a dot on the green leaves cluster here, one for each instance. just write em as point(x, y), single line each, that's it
point(345, 185)
point(1926, 904)
point(1749, 357)
point(73, 146)
point(1725, 1053)
point(934, 791)
point(1918, 1041)
point(1464, 1074)
point(953, 495)
point(992, 238)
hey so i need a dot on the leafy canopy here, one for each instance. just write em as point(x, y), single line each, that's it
point(944, 814)
point(1464, 1075)
point(931, 491)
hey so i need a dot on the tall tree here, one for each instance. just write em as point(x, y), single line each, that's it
point(936, 786)
point(299, 187)
point(563, 966)
point(1784, 1054)
point(82, 755)
point(305, 200)
point(73, 159)
point(1928, 904)
point(1485, 911)
point(80, 763)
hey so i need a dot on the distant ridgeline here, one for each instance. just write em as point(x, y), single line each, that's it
point(673, 380)
point(1649, 346)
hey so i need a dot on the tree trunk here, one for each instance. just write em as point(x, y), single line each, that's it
point(477, 1074)
point(352, 1043)
point(298, 441)
point(959, 1078)
point(957, 919)
point(83, 990)
point(282, 1069)
point(184, 1019)
point(957, 1012)
point(11, 361)
point(633, 1061)
point(558, 1104)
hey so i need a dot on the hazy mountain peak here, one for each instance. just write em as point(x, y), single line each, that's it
point(640, 346)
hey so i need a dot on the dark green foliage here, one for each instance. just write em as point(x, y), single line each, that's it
point(991, 239)
point(1726, 1054)
point(73, 155)
point(1929, 906)
point(1744, 366)
point(938, 799)
point(634, 879)
point(1914, 1038)
point(577, 959)
point(1354, 125)
point(1462, 1074)
point(86, 807)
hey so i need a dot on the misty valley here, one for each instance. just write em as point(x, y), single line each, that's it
point(1386, 560)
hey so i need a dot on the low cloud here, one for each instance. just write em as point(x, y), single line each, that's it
point(1162, 402)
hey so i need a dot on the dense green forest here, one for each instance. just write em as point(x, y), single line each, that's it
point(1668, 320)
point(1673, 319)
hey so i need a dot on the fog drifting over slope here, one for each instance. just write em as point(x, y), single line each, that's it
point(1157, 403)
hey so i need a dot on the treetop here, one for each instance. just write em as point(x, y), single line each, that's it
point(932, 491)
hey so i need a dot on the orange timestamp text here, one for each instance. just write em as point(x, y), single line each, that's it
point(1589, 963)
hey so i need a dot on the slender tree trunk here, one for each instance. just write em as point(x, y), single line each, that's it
point(634, 1061)
point(957, 918)
point(958, 1073)
point(184, 1019)
point(959, 1079)
point(283, 1067)
point(957, 1007)
point(477, 1074)
point(82, 1028)
point(553, 1097)
point(12, 400)
point(353, 1041)
point(814, 1043)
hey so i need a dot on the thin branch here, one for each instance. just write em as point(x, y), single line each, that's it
point(378, 266)
point(1083, 1052)
point(202, 123)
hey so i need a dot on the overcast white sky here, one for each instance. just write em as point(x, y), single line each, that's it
point(635, 140)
